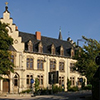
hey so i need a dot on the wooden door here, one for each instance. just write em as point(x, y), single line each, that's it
point(6, 85)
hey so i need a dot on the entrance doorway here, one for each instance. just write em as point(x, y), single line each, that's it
point(6, 85)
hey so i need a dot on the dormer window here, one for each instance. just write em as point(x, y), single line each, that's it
point(53, 49)
point(61, 51)
point(72, 52)
point(40, 47)
point(30, 46)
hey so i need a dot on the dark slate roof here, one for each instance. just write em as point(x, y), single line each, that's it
point(11, 48)
point(46, 42)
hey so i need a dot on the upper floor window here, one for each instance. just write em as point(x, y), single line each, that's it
point(40, 48)
point(29, 63)
point(53, 49)
point(12, 59)
point(61, 51)
point(72, 66)
point(52, 65)
point(61, 66)
point(40, 64)
point(30, 46)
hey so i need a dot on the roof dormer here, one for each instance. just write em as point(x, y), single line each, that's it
point(40, 48)
point(30, 46)
point(53, 49)
point(61, 50)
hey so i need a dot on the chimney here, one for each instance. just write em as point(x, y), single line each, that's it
point(38, 35)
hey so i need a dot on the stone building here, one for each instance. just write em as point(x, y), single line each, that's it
point(35, 56)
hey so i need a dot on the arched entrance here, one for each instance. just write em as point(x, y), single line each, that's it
point(16, 83)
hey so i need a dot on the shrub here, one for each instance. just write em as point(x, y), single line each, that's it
point(73, 89)
point(26, 91)
point(88, 87)
point(68, 84)
point(57, 89)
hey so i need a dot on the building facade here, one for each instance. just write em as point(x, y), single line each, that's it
point(35, 56)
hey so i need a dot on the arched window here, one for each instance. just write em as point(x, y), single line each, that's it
point(16, 78)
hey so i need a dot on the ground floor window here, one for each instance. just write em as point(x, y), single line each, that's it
point(40, 79)
point(16, 79)
point(78, 81)
point(61, 80)
point(72, 79)
point(28, 80)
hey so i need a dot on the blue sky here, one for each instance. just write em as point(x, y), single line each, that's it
point(77, 18)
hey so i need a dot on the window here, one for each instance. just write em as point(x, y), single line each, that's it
point(53, 49)
point(72, 66)
point(61, 51)
point(40, 79)
point(28, 80)
point(72, 79)
point(52, 65)
point(61, 80)
point(40, 47)
point(78, 81)
point(72, 52)
point(29, 63)
point(12, 59)
point(40, 64)
point(16, 80)
point(30, 46)
point(61, 66)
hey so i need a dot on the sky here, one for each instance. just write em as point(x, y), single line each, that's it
point(76, 18)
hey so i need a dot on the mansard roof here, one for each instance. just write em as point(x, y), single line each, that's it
point(46, 42)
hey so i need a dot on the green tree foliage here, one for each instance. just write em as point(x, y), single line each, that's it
point(36, 84)
point(5, 56)
point(86, 58)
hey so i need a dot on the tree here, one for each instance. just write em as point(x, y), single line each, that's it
point(5, 56)
point(36, 85)
point(86, 58)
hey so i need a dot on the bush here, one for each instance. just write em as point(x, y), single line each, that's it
point(88, 87)
point(68, 84)
point(57, 89)
point(26, 91)
point(73, 89)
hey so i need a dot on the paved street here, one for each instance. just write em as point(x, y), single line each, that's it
point(60, 96)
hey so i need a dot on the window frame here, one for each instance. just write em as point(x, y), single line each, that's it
point(29, 63)
point(52, 65)
point(40, 62)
